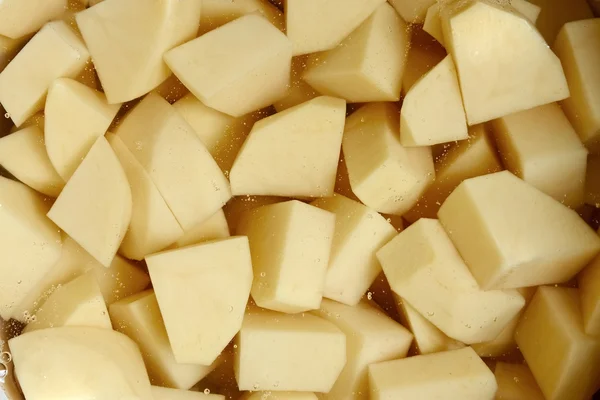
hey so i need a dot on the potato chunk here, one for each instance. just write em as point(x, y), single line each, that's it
point(139, 317)
point(290, 244)
point(512, 235)
point(212, 280)
point(216, 13)
point(433, 24)
point(161, 393)
point(19, 18)
point(54, 52)
point(368, 64)
point(65, 363)
point(589, 288)
point(253, 59)
point(292, 153)
point(563, 359)
point(423, 267)
point(503, 63)
point(117, 33)
point(288, 352)
point(458, 374)
point(299, 91)
point(515, 382)
point(529, 10)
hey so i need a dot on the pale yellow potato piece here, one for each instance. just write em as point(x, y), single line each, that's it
point(79, 362)
point(563, 359)
point(118, 32)
point(23, 154)
point(512, 235)
point(238, 205)
point(424, 54)
point(292, 153)
point(216, 13)
point(9, 48)
point(283, 352)
point(319, 25)
point(423, 267)
point(299, 91)
point(30, 243)
point(212, 280)
point(578, 47)
point(54, 52)
point(291, 245)
point(75, 117)
point(172, 89)
point(371, 337)
point(162, 393)
point(501, 60)
point(184, 172)
point(383, 174)
point(589, 288)
point(457, 374)
point(153, 226)
point(541, 147)
point(19, 18)
point(76, 303)
point(530, 10)
point(433, 23)
point(467, 159)
point(215, 227)
point(432, 111)
point(368, 65)
point(253, 59)
point(515, 382)
point(412, 11)
point(359, 233)
point(139, 317)
point(556, 13)
point(592, 181)
point(279, 396)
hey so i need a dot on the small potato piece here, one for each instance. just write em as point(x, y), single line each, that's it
point(412, 11)
point(368, 65)
point(54, 52)
point(290, 244)
point(359, 233)
point(592, 181)
point(212, 281)
point(371, 337)
point(424, 54)
point(30, 244)
point(94, 208)
point(578, 47)
point(541, 147)
point(75, 117)
point(162, 393)
point(529, 10)
point(556, 13)
point(563, 359)
point(319, 25)
point(288, 352)
point(292, 153)
point(19, 18)
point(458, 374)
point(515, 382)
point(253, 59)
point(117, 32)
point(23, 154)
point(299, 91)
point(504, 65)
point(215, 227)
point(139, 317)
point(79, 362)
point(383, 174)
point(589, 288)
point(512, 235)
point(280, 396)
point(433, 24)
point(216, 13)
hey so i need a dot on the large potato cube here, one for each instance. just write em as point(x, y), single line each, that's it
point(19, 18)
point(589, 288)
point(216, 13)
point(515, 382)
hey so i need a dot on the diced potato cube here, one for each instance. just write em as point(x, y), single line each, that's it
point(424, 54)
point(578, 47)
point(503, 63)
point(592, 181)
point(512, 235)
point(423, 267)
point(292, 153)
point(541, 147)
point(19, 18)
point(139, 317)
point(288, 352)
point(215, 227)
point(371, 337)
point(280, 396)
point(30, 243)
point(563, 359)
point(212, 281)
point(54, 52)
point(238, 205)
point(412, 11)
point(216, 13)
point(515, 382)
point(253, 59)
point(161, 393)
point(184, 172)
point(556, 13)
point(368, 64)
point(359, 233)
point(433, 24)
point(589, 288)
point(458, 374)
point(299, 91)
point(290, 244)
point(118, 33)
point(79, 362)
point(383, 174)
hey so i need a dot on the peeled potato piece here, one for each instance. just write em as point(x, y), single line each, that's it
point(433, 23)
point(161, 393)
point(19, 18)
point(65, 363)
point(215, 227)
point(94, 208)
point(515, 382)
point(529, 10)
point(299, 91)
point(117, 32)
point(75, 117)
point(412, 11)
point(216, 13)
point(54, 52)
point(589, 288)
point(244, 51)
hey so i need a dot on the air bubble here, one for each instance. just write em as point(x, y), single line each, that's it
point(369, 295)
point(5, 357)
point(7, 115)
point(263, 274)
point(207, 391)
